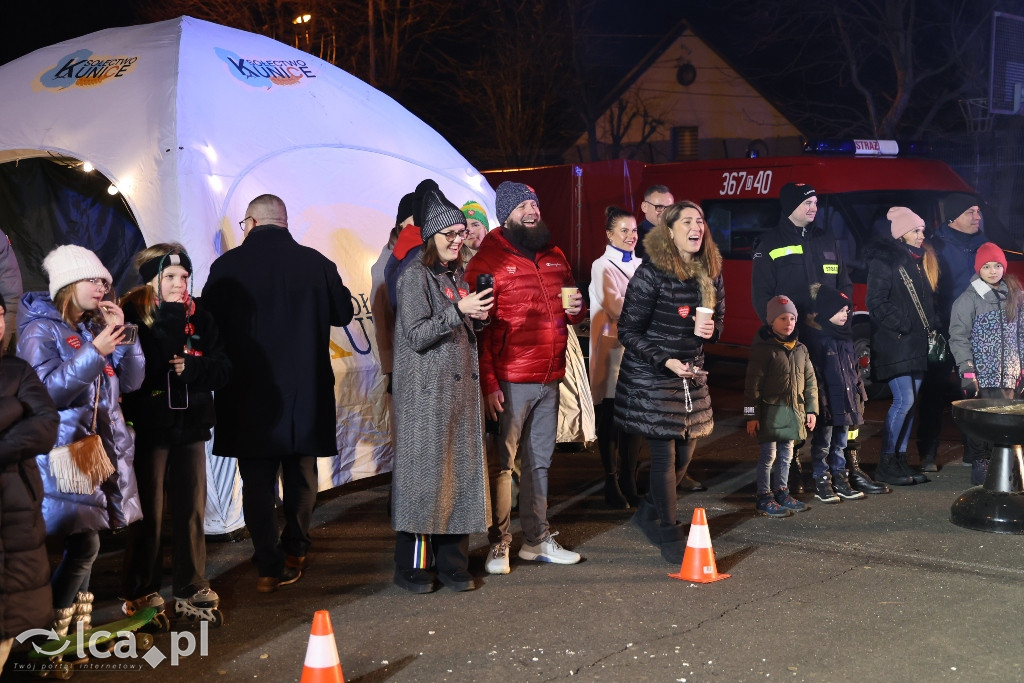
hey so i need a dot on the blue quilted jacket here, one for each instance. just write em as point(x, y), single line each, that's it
point(68, 365)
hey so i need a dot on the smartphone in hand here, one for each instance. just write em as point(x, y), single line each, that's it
point(131, 334)
point(484, 281)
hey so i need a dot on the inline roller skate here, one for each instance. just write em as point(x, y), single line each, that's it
point(200, 606)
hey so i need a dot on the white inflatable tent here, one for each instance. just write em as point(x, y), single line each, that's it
point(190, 120)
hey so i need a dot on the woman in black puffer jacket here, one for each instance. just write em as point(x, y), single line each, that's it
point(28, 426)
point(899, 338)
point(658, 395)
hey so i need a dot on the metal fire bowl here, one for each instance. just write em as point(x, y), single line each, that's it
point(998, 505)
point(997, 420)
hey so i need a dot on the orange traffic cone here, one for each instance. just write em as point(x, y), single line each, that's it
point(322, 662)
point(699, 559)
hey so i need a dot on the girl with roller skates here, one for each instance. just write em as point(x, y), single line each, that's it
point(172, 414)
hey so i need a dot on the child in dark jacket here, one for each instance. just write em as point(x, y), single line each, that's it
point(780, 404)
point(841, 393)
point(172, 413)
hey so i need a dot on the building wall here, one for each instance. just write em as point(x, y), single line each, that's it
point(726, 110)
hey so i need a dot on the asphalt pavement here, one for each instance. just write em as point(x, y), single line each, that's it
point(884, 588)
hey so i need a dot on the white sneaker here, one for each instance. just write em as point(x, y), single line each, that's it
point(548, 550)
point(497, 559)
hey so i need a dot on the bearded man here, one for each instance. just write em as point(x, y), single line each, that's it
point(522, 361)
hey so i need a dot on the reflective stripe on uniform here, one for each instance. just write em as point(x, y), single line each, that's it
point(786, 251)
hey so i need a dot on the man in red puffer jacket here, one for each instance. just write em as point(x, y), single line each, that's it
point(522, 360)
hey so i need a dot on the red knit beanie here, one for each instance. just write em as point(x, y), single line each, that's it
point(987, 252)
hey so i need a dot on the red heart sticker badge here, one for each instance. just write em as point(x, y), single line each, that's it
point(684, 311)
point(74, 342)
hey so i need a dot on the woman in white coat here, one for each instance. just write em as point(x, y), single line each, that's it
point(608, 279)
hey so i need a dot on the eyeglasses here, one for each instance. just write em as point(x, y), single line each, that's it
point(452, 234)
point(98, 282)
point(658, 208)
point(241, 223)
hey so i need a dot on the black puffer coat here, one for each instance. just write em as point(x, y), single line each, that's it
point(28, 426)
point(899, 341)
point(656, 325)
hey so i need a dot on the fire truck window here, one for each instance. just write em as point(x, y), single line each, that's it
point(735, 225)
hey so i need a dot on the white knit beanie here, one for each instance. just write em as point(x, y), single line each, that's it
point(70, 263)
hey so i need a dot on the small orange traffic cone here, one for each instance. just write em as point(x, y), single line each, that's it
point(322, 663)
point(699, 559)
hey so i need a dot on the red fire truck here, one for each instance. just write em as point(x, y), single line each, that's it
point(740, 200)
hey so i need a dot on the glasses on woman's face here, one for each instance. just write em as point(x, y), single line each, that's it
point(450, 235)
point(99, 283)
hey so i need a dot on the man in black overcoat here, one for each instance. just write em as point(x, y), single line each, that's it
point(275, 302)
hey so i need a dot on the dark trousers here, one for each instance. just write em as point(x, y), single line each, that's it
point(669, 460)
point(614, 444)
point(446, 552)
point(176, 474)
point(72, 574)
point(931, 405)
point(298, 495)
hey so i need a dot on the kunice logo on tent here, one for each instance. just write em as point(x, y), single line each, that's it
point(264, 73)
point(85, 70)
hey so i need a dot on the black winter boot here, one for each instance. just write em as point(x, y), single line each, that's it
point(673, 543)
point(841, 485)
point(908, 470)
point(823, 489)
point(889, 471)
point(613, 497)
point(859, 479)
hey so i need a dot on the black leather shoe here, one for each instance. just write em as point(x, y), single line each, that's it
point(458, 580)
point(415, 580)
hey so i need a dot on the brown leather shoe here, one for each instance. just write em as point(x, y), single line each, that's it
point(296, 562)
point(269, 584)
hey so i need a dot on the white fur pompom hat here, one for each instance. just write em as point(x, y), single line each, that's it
point(70, 263)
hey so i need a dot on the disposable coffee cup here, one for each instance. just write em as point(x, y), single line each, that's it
point(700, 316)
point(567, 292)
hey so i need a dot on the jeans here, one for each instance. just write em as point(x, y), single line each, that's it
point(900, 418)
point(827, 445)
point(773, 466)
point(669, 460)
point(529, 427)
point(72, 574)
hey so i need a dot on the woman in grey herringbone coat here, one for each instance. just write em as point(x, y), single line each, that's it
point(440, 477)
